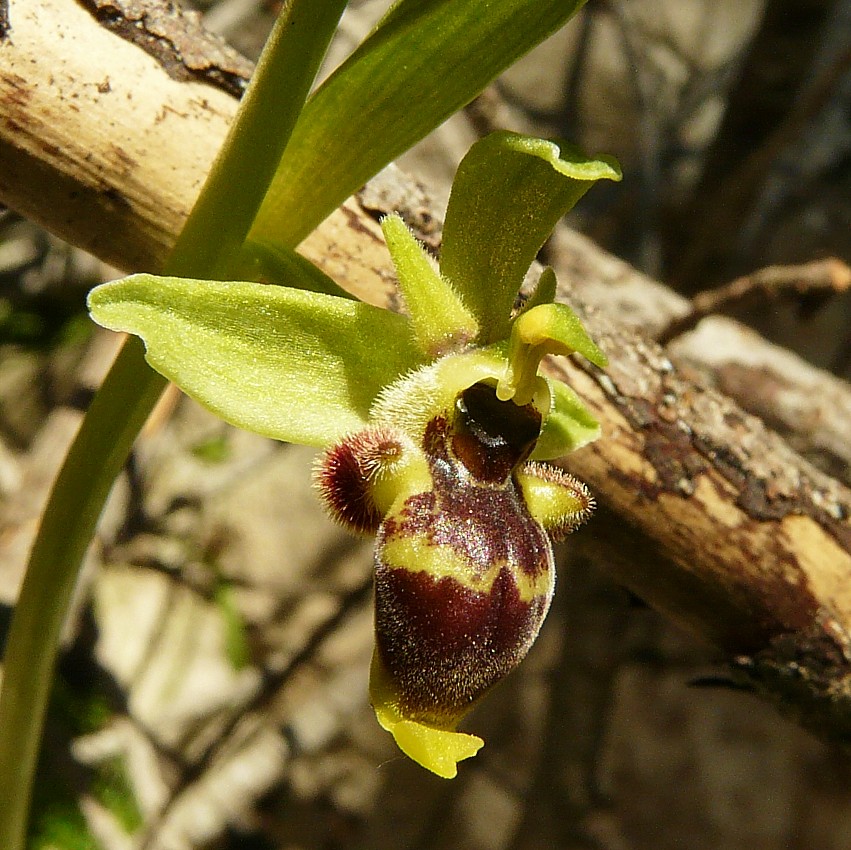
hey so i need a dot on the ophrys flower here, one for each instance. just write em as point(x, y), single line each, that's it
point(434, 424)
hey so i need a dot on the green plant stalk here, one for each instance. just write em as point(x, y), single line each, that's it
point(241, 174)
point(118, 411)
point(216, 227)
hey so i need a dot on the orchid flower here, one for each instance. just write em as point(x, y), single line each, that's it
point(433, 424)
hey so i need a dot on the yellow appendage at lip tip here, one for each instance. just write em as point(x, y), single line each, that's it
point(437, 750)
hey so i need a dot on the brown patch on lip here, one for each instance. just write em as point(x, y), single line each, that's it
point(484, 520)
point(445, 645)
point(483, 525)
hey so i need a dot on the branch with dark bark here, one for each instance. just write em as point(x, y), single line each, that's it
point(707, 514)
point(809, 407)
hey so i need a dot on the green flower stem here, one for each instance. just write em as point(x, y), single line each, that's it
point(216, 227)
point(241, 174)
point(117, 413)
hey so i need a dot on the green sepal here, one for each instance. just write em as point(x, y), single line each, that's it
point(508, 194)
point(439, 318)
point(289, 364)
point(568, 427)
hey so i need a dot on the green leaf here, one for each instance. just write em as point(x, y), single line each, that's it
point(425, 60)
point(237, 647)
point(568, 427)
point(113, 789)
point(289, 364)
point(218, 222)
point(508, 194)
point(213, 450)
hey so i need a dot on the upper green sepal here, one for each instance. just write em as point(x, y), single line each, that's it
point(289, 364)
point(508, 194)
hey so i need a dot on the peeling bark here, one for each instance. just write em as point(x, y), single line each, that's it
point(176, 39)
point(808, 406)
point(717, 521)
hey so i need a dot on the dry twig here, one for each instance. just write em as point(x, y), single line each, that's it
point(820, 279)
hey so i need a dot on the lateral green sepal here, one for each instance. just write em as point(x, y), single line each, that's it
point(286, 363)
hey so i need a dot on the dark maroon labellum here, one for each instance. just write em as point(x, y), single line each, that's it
point(464, 574)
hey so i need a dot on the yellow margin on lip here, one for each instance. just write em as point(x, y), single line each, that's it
point(417, 555)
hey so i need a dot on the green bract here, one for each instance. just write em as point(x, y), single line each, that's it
point(431, 421)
